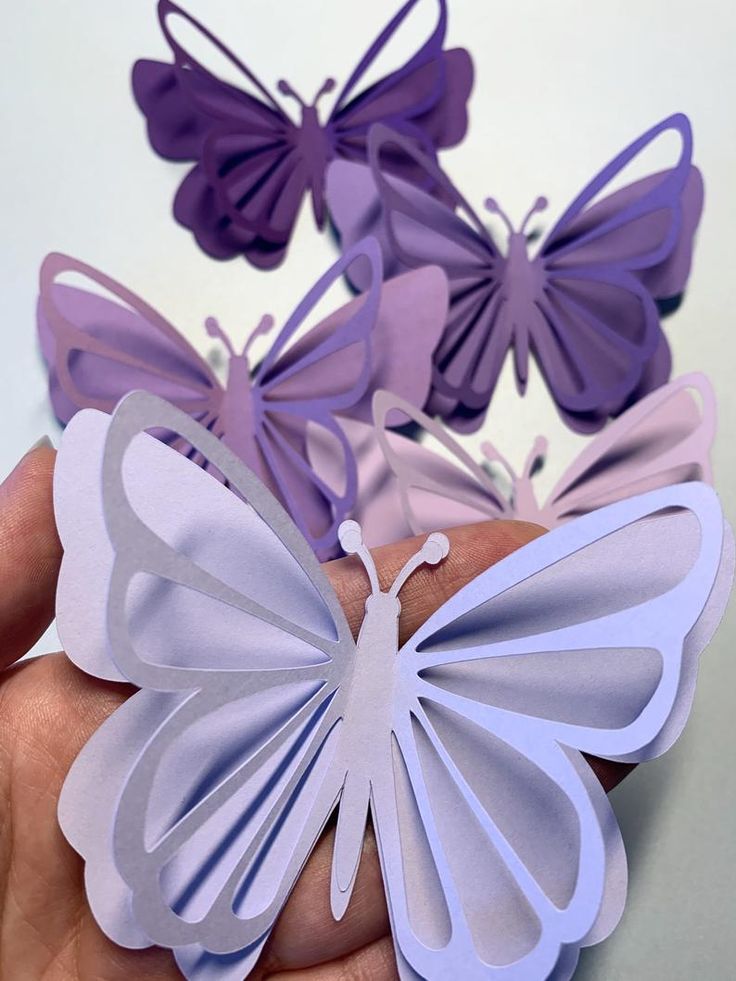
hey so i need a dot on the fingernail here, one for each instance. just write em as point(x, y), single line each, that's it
point(43, 443)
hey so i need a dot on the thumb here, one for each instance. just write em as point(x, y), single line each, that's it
point(30, 552)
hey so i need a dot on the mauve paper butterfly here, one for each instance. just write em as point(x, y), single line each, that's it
point(98, 348)
point(253, 165)
point(405, 488)
point(583, 306)
point(198, 802)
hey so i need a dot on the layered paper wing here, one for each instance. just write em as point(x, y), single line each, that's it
point(605, 263)
point(501, 853)
point(437, 226)
point(664, 439)
point(241, 684)
point(387, 335)
point(102, 341)
point(426, 97)
point(246, 187)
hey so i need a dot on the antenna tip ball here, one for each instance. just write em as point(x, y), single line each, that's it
point(541, 203)
point(330, 84)
point(436, 548)
point(211, 326)
point(491, 205)
point(350, 536)
point(283, 86)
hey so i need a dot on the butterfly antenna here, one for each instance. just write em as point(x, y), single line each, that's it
point(434, 550)
point(350, 536)
point(265, 325)
point(492, 455)
point(212, 326)
point(327, 86)
point(285, 89)
point(539, 205)
point(494, 208)
point(538, 452)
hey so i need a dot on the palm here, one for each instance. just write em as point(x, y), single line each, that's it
point(48, 710)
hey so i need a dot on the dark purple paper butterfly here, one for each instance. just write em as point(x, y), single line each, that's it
point(253, 164)
point(583, 306)
point(99, 348)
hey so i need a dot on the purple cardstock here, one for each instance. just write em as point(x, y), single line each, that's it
point(406, 488)
point(197, 803)
point(583, 305)
point(99, 348)
point(253, 165)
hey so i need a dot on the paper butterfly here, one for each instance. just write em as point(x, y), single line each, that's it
point(99, 348)
point(198, 802)
point(405, 488)
point(253, 165)
point(583, 306)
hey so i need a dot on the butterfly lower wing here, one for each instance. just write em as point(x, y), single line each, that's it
point(98, 348)
point(594, 332)
point(664, 439)
point(481, 841)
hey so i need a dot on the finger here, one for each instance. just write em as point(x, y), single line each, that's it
point(374, 962)
point(30, 553)
point(473, 549)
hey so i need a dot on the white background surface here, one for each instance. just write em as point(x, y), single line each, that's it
point(561, 87)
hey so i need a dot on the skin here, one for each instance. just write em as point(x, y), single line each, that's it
point(49, 709)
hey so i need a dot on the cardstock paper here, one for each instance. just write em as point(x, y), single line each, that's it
point(253, 165)
point(99, 348)
point(583, 305)
point(406, 488)
point(196, 805)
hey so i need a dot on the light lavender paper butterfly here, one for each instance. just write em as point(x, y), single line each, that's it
point(100, 347)
point(197, 803)
point(406, 488)
point(583, 304)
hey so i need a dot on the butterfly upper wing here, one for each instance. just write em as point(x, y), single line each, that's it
point(435, 492)
point(245, 190)
point(664, 439)
point(241, 677)
point(603, 265)
point(99, 349)
point(583, 640)
point(426, 98)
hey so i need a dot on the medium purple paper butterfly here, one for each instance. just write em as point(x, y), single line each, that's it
point(253, 165)
point(406, 488)
point(198, 802)
point(98, 348)
point(583, 306)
